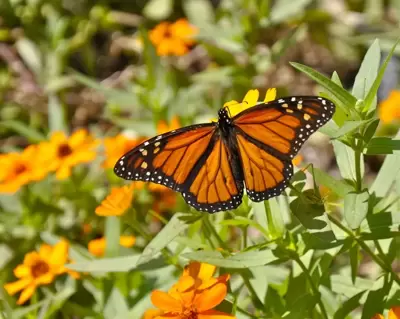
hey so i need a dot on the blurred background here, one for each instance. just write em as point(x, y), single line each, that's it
point(145, 67)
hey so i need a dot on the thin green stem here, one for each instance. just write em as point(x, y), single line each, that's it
point(366, 248)
point(314, 288)
point(212, 230)
point(357, 155)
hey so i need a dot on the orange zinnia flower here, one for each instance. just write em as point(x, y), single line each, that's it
point(19, 169)
point(117, 202)
point(152, 313)
point(394, 313)
point(194, 296)
point(173, 38)
point(297, 160)
point(117, 146)
point(65, 152)
point(389, 109)
point(97, 247)
point(40, 268)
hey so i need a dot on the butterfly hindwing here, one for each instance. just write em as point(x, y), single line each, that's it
point(270, 135)
point(216, 182)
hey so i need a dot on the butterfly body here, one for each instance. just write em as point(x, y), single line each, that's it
point(211, 163)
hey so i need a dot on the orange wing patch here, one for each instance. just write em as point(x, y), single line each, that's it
point(262, 171)
point(215, 185)
point(181, 153)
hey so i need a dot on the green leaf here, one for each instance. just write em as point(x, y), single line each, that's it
point(259, 282)
point(349, 306)
point(23, 129)
point(347, 101)
point(238, 261)
point(311, 214)
point(382, 145)
point(23, 312)
point(354, 254)
point(31, 55)
point(243, 221)
point(376, 300)
point(345, 158)
point(348, 127)
point(119, 97)
point(118, 264)
point(355, 208)
point(158, 9)
point(56, 114)
point(199, 12)
point(387, 174)
point(286, 9)
point(371, 96)
point(370, 130)
point(112, 232)
point(368, 71)
point(175, 226)
point(340, 116)
point(342, 284)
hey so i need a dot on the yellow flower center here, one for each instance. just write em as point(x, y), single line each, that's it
point(64, 150)
point(39, 269)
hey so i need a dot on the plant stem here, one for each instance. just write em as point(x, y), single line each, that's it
point(357, 155)
point(313, 286)
point(366, 248)
point(212, 230)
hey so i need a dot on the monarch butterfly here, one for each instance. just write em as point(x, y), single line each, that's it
point(210, 163)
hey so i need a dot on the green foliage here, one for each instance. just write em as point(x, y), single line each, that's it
point(325, 248)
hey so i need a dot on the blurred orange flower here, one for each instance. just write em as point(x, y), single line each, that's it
point(65, 152)
point(152, 313)
point(97, 247)
point(117, 146)
point(117, 202)
point(173, 38)
point(164, 127)
point(389, 109)
point(298, 159)
point(394, 313)
point(194, 295)
point(40, 268)
point(19, 169)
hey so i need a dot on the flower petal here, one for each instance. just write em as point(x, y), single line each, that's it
point(185, 282)
point(206, 271)
point(210, 298)
point(165, 302)
point(45, 279)
point(378, 316)
point(251, 98)
point(270, 95)
point(26, 294)
point(127, 241)
point(394, 313)
point(59, 255)
point(13, 287)
point(214, 314)
point(22, 271)
point(230, 103)
point(152, 313)
point(168, 316)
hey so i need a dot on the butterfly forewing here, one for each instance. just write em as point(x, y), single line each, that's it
point(166, 159)
point(270, 135)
